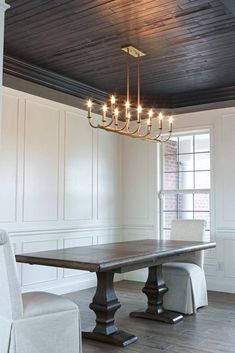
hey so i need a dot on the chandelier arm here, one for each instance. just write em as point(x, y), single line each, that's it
point(156, 137)
point(144, 136)
point(113, 129)
point(94, 126)
point(104, 126)
point(165, 140)
point(127, 133)
point(99, 126)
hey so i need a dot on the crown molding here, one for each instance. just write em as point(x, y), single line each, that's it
point(24, 70)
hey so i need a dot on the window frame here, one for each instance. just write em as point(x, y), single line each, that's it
point(163, 191)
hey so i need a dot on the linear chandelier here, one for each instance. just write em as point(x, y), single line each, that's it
point(119, 121)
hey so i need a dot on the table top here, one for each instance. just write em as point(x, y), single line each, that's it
point(112, 256)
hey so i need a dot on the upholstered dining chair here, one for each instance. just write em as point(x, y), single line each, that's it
point(35, 322)
point(185, 280)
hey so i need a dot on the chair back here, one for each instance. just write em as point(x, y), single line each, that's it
point(11, 306)
point(191, 230)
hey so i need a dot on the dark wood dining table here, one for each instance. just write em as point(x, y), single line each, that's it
point(108, 259)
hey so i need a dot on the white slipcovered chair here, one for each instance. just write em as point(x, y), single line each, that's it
point(185, 280)
point(34, 322)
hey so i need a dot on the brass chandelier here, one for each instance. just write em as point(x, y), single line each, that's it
point(119, 121)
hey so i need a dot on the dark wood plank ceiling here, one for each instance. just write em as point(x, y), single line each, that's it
point(190, 44)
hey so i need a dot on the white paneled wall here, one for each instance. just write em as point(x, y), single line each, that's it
point(64, 184)
point(56, 172)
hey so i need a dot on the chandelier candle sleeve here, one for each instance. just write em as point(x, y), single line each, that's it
point(150, 117)
point(170, 124)
point(105, 108)
point(127, 108)
point(139, 111)
point(113, 101)
point(116, 112)
point(160, 117)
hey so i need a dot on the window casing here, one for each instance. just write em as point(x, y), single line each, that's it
point(185, 180)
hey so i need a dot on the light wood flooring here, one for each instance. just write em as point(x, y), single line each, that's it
point(212, 330)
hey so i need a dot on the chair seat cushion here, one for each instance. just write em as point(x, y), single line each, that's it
point(181, 268)
point(41, 303)
point(186, 287)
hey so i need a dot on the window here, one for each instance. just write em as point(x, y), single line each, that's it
point(186, 180)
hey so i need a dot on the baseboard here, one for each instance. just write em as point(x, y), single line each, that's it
point(221, 284)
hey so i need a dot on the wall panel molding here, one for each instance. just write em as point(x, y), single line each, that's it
point(53, 194)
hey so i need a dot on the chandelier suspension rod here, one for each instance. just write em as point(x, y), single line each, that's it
point(127, 77)
point(138, 69)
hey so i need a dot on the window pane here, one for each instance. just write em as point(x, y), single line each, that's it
point(186, 162)
point(170, 203)
point(202, 143)
point(171, 181)
point(185, 215)
point(171, 163)
point(201, 202)
point(185, 202)
point(171, 147)
point(168, 217)
point(202, 180)
point(186, 180)
point(205, 216)
point(185, 144)
point(202, 161)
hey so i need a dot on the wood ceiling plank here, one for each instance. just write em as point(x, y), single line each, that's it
point(190, 44)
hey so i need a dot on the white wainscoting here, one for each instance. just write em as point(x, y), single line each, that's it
point(56, 172)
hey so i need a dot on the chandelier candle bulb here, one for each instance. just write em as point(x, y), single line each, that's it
point(89, 105)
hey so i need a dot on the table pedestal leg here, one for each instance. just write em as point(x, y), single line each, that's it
point(105, 304)
point(155, 288)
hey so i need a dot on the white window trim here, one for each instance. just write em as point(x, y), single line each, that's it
point(163, 192)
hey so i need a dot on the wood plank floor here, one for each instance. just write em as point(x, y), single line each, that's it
point(212, 330)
